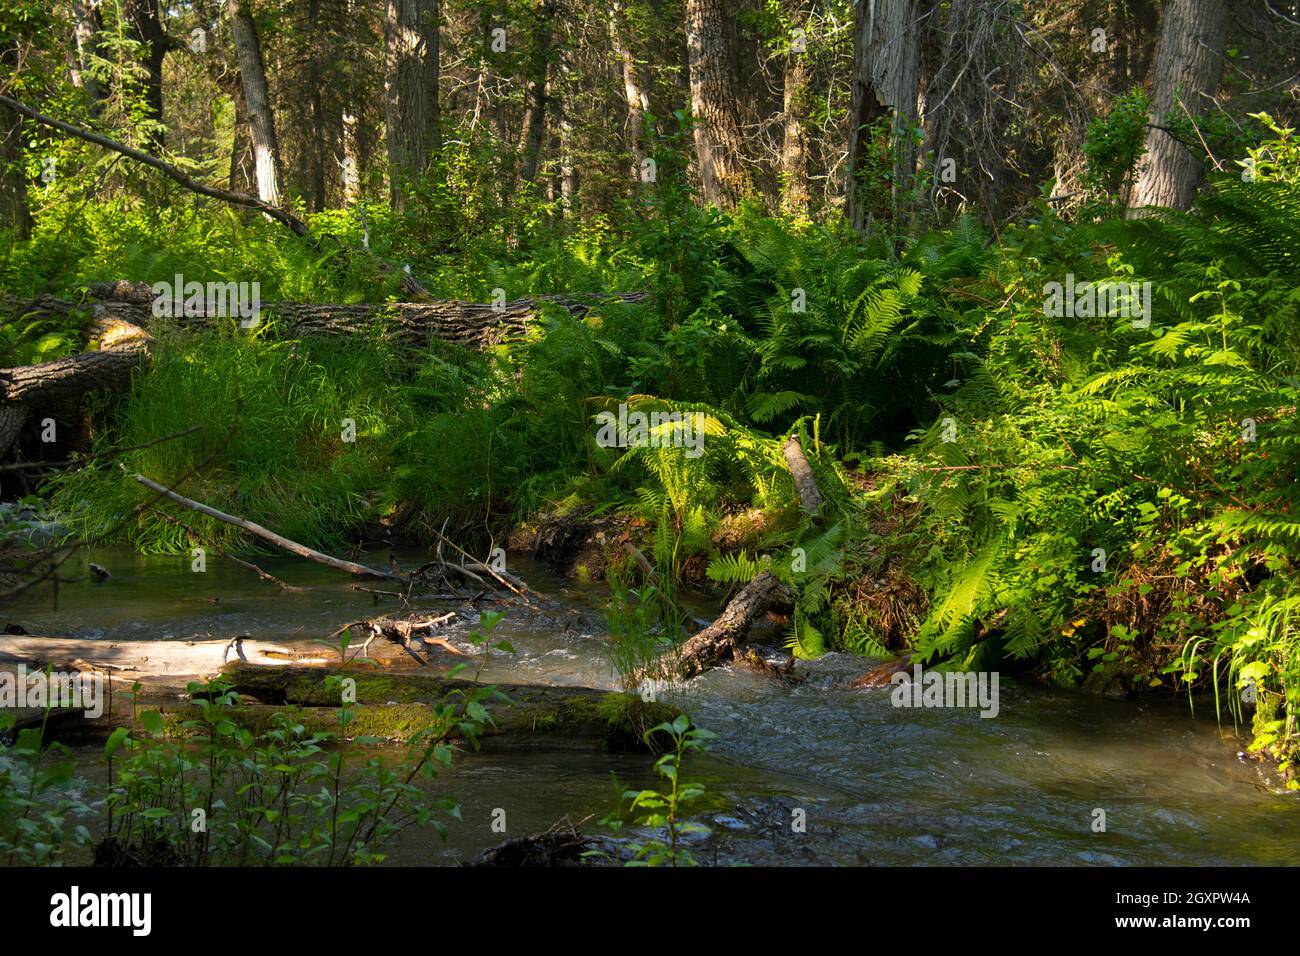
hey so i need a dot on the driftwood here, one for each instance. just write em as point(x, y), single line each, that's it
point(293, 547)
point(810, 496)
point(402, 630)
point(153, 662)
point(723, 639)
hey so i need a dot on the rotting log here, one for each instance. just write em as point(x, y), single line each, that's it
point(722, 640)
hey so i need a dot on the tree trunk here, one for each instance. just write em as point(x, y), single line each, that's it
point(1188, 62)
point(885, 82)
point(568, 171)
point(261, 121)
point(15, 212)
point(410, 91)
point(633, 91)
point(146, 28)
point(794, 145)
point(534, 128)
point(87, 25)
point(714, 104)
point(316, 52)
point(351, 173)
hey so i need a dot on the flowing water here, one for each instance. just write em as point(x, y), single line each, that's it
point(805, 774)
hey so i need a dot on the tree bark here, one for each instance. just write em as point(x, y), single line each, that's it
point(145, 20)
point(87, 25)
point(534, 127)
point(123, 347)
point(410, 91)
point(794, 146)
point(15, 210)
point(714, 103)
point(885, 82)
point(1188, 62)
point(261, 120)
point(633, 89)
point(471, 324)
point(810, 496)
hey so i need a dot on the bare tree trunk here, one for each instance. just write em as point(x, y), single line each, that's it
point(1188, 62)
point(534, 130)
point(351, 161)
point(794, 145)
point(886, 82)
point(410, 91)
point(568, 172)
point(714, 104)
point(633, 91)
point(261, 121)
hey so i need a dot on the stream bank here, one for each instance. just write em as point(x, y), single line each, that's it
point(876, 784)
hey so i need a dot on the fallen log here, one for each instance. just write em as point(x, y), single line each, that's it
point(395, 703)
point(723, 639)
point(810, 496)
point(415, 324)
point(399, 704)
point(122, 348)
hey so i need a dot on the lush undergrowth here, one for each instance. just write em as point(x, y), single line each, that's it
point(1100, 500)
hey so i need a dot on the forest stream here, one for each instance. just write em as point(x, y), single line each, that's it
point(876, 784)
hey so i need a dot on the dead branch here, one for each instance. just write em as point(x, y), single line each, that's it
point(293, 547)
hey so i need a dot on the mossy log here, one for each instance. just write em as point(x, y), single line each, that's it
point(397, 706)
point(394, 701)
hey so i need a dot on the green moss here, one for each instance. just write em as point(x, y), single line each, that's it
point(398, 705)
